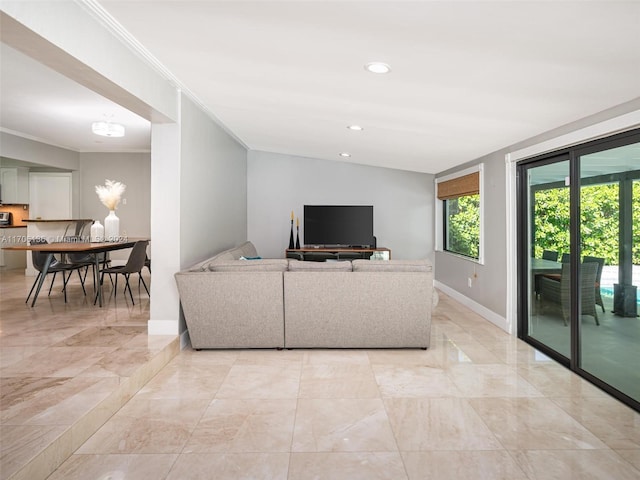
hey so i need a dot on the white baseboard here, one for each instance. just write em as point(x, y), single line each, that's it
point(481, 310)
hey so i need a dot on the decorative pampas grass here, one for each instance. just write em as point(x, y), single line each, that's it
point(110, 193)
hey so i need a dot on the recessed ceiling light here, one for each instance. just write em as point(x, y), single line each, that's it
point(355, 127)
point(345, 154)
point(377, 67)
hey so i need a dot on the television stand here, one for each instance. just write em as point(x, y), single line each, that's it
point(320, 254)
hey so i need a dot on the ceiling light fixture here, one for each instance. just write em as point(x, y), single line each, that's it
point(107, 129)
point(345, 154)
point(355, 127)
point(377, 67)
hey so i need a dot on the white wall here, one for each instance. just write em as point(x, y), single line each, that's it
point(26, 150)
point(277, 184)
point(213, 187)
point(198, 204)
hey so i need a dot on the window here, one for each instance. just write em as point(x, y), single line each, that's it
point(461, 213)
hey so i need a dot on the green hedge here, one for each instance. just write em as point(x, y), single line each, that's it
point(599, 221)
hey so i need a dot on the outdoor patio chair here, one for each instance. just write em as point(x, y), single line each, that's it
point(600, 262)
point(559, 292)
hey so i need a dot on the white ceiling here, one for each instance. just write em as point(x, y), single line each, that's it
point(467, 78)
point(39, 103)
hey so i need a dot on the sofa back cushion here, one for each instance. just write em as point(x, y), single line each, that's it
point(391, 266)
point(247, 249)
point(266, 265)
point(299, 266)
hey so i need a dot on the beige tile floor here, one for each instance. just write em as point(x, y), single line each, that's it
point(477, 404)
point(65, 369)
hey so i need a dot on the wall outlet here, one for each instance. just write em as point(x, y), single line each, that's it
point(470, 282)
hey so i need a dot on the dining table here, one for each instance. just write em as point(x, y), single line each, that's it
point(62, 248)
point(541, 265)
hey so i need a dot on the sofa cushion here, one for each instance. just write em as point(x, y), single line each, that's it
point(265, 265)
point(391, 266)
point(201, 266)
point(247, 249)
point(299, 266)
point(225, 256)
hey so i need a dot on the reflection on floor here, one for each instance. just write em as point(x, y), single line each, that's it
point(477, 404)
point(610, 351)
point(66, 368)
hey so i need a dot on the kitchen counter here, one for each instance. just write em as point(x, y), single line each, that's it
point(64, 220)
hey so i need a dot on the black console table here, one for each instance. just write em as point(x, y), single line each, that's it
point(322, 254)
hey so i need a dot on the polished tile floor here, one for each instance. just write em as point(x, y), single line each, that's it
point(477, 404)
point(65, 369)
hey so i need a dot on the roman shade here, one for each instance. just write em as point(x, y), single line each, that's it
point(460, 186)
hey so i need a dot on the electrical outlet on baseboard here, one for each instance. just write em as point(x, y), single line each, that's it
point(470, 282)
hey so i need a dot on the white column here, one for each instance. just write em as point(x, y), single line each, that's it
point(165, 229)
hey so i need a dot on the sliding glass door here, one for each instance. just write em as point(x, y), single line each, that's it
point(547, 208)
point(579, 260)
point(610, 236)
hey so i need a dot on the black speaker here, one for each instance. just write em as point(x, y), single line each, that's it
point(625, 300)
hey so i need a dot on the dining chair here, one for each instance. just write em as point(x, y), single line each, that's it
point(600, 262)
point(39, 259)
point(552, 256)
point(135, 264)
point(559, 292)
point(147, 263)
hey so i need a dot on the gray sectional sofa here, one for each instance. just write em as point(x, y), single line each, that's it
point(233, 301)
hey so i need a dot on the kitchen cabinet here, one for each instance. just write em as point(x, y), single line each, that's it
point(15, 185)
point(9, 237)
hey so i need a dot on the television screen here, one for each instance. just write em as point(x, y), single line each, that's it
point(338, 225)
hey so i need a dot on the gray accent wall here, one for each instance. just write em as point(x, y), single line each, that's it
point(489, 287)
point(212, 187)
point(490, 290)
point(277, 184)
point(132, 169)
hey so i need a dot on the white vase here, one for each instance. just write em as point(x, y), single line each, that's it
point(97, 232)
point(111, 227)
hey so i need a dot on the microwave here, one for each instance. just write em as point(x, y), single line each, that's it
point(5, 218)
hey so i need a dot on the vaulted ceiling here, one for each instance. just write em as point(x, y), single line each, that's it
point(466, 79)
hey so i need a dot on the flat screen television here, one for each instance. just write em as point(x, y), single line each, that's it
point(338, 225)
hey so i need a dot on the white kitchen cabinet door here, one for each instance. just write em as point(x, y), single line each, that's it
point(15, 185)
point(50, 195)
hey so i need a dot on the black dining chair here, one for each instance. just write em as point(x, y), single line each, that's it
point(135, 264)
point(39, 259)
point(147, 263)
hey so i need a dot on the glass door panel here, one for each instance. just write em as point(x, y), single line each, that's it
point(548, 212)
point(609, 332)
